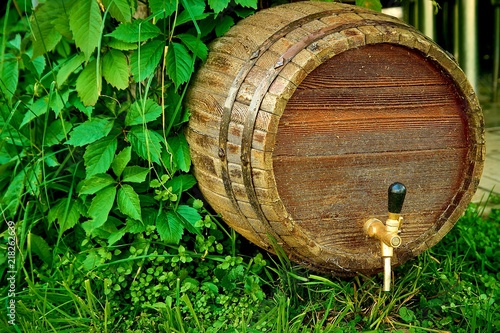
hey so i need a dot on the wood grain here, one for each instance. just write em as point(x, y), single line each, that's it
point(304, 114)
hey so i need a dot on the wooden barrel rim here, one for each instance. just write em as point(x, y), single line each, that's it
point(396, 33)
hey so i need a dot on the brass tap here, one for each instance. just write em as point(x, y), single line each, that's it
point(388, 233)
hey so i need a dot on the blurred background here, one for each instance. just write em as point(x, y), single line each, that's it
point(470, 31)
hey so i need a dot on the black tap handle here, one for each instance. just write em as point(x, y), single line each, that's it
point(397, 192)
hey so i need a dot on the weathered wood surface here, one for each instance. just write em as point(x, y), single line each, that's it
point(305, 113)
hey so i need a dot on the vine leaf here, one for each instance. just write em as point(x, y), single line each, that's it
point(135, 174)
point(69, 67)
point(85, 22)
point(179, 149)
point(370, 4)
point(12, 196)
point(162, 8)
point(66, 212)
point(135, 32)
point(61, 17)
point(218, 5)
point(120, 10)
point(39, 246)
point(144, 60)
point(169, 227)
point(115, 69)
point(9, 75)
point(247, 3)
point(179, 64)
point(195, 11)
point(146, 143)
point(121, 160)
point(99, 155)
point(38, 108)
point(56, 132)
point(88, 84)
point(36, 66)
point(139, 114)
point(195, 45)
point(128, 202)
point(99, 208)
point(45, 34)
point(181, 183)
point(96, 183)
point(120, 45)
point(116, 236)
point(189, 217)
point(90, 131)
point(223, 25)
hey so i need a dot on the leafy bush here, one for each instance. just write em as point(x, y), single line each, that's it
point(110, 232)
point(95, 165)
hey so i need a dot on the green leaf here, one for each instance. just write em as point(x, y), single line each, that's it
point(162, 8)
point(61, 17)
point(144, 60)
point(38, 108)
point(146, 143)
point(135, 174)
point(179, 149)
point(58, 100)
point(96, 183)
point(188, 213)
point(45, 35)
point(135, 227)
point(121, 160)
point(85, 22)
point(195, 11)
point(119, 45)
point(99, 155)
point(128, 202)
point(139, 114)
point(370, 4)
point(36, 66)
point(179, 64)
point(69, 67)
point(12, 196)
point(115, 69)
point(116, 236)
point(66, 212)
point(181, 183)
point(9, 75)
point(56, 132)
point(223, 25)
point(90, 131)
point(169, 228)
point(247, 3)
point(77, 103)
point(100, 207)
point(120, 10)
point(218, 5)
point(195, 45)
point(89, 83)
point(406, 314)
point(39, 246)
point(92, 258)
point(135, 32)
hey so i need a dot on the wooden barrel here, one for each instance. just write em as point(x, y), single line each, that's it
point(305, 113)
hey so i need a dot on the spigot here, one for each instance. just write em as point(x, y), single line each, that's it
point(388, 233)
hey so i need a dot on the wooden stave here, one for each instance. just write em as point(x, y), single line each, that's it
point(300, 246)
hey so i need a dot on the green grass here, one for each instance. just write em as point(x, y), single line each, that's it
point(453, 287)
